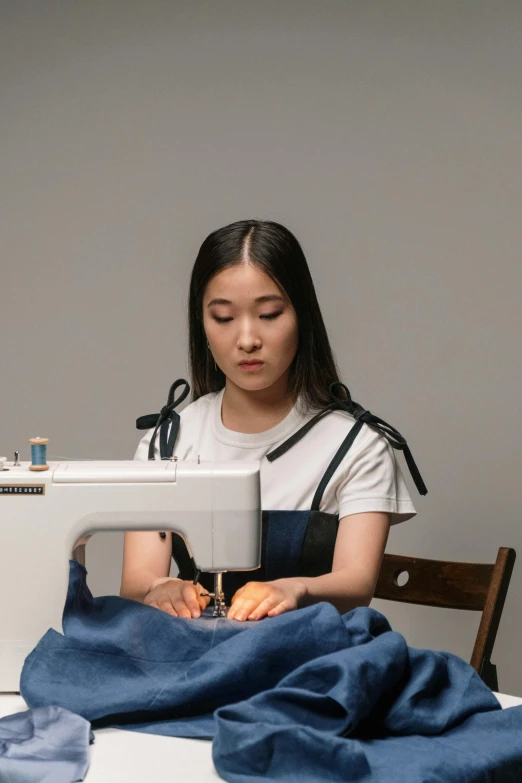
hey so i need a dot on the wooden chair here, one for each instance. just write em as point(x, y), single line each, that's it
point(473, 586)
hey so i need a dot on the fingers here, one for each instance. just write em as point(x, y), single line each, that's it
point(252, 602)
point(262, 599)
point(177, 598)
point(242, 609)
point(186, 603)
point(284, 606)
point(181, 608)
point(266, 607)
point(164, 605)
point(203, 598)
point(190, 596)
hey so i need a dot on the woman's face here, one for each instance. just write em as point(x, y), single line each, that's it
point(247, 317)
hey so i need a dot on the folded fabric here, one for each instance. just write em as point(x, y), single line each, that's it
point(122, 663)
point(44, 745)
point(325, 722)
point(310, 695)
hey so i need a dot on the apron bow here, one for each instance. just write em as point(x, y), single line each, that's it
point(393, 436)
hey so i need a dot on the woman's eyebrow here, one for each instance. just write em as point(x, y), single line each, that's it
point(266, 298)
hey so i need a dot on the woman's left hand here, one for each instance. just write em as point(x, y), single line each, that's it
point(259, 599)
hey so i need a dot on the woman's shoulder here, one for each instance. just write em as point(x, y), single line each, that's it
point(331, 429)
point(194, 409)
point(191, 417)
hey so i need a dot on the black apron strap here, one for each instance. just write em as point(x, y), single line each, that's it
point(334, 464)
point(293, 439)
point(167, 442)
point(319, 544)
point(161, 421)
point(394, 438)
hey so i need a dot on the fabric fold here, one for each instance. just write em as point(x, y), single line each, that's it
point(44, 745)
point(310, 695)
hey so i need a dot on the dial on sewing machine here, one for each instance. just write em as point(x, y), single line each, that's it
point(216, 507)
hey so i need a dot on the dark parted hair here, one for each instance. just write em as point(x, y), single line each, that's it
point(277, 253)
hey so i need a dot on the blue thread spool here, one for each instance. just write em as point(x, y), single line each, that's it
point(38, 453)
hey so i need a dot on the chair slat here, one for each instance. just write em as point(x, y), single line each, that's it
point(454, 585)
point(435, 582)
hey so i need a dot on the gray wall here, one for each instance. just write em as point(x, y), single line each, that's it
point(385, 135)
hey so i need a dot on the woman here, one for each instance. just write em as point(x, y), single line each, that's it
point(261, 367)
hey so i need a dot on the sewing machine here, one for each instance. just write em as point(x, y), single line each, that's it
point(216, 507)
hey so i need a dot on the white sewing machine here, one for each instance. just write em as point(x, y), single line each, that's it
point(216, 507)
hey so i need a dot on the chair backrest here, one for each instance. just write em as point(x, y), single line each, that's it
point(478, 587)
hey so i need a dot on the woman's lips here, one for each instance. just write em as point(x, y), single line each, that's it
point(252, 367)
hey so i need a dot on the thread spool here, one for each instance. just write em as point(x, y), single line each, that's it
point(38, 453)
point(3, 460)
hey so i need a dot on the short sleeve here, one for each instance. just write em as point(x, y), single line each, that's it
point(373, 481)
point(142, 452)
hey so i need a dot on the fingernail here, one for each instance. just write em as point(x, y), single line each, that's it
point(196, 614)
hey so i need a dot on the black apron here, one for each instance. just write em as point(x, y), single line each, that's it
point(293, 543)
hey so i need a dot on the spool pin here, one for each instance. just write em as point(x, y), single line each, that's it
point(39, 453)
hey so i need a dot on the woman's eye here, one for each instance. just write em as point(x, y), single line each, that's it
point(268, 317)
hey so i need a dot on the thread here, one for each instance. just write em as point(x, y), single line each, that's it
point(38, 453)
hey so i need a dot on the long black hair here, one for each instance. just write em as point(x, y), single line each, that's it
point(277, 253)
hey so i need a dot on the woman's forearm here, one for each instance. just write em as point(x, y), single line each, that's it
point(136, 585)
point(345, 589)
point(146, 558)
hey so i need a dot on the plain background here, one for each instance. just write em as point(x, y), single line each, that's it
point(386, 135)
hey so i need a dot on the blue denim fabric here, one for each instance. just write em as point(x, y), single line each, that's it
point(310, 695)
point(44, 745)
point(122, 663)
point(380, 713)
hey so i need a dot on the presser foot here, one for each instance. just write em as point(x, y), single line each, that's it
point(219, 608)
point(219, 597)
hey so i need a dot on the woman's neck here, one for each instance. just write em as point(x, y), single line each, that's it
point(254, 411)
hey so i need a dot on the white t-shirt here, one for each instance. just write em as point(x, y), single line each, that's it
point(368, 478)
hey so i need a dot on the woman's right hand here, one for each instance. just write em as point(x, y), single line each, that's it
point(177, 597)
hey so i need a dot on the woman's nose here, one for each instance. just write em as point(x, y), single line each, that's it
point(248, 338)
point(248, 343)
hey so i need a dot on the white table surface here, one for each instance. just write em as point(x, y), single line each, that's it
point(118, 756)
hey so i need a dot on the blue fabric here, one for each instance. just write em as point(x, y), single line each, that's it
point(44, 745)
point(310, 695)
